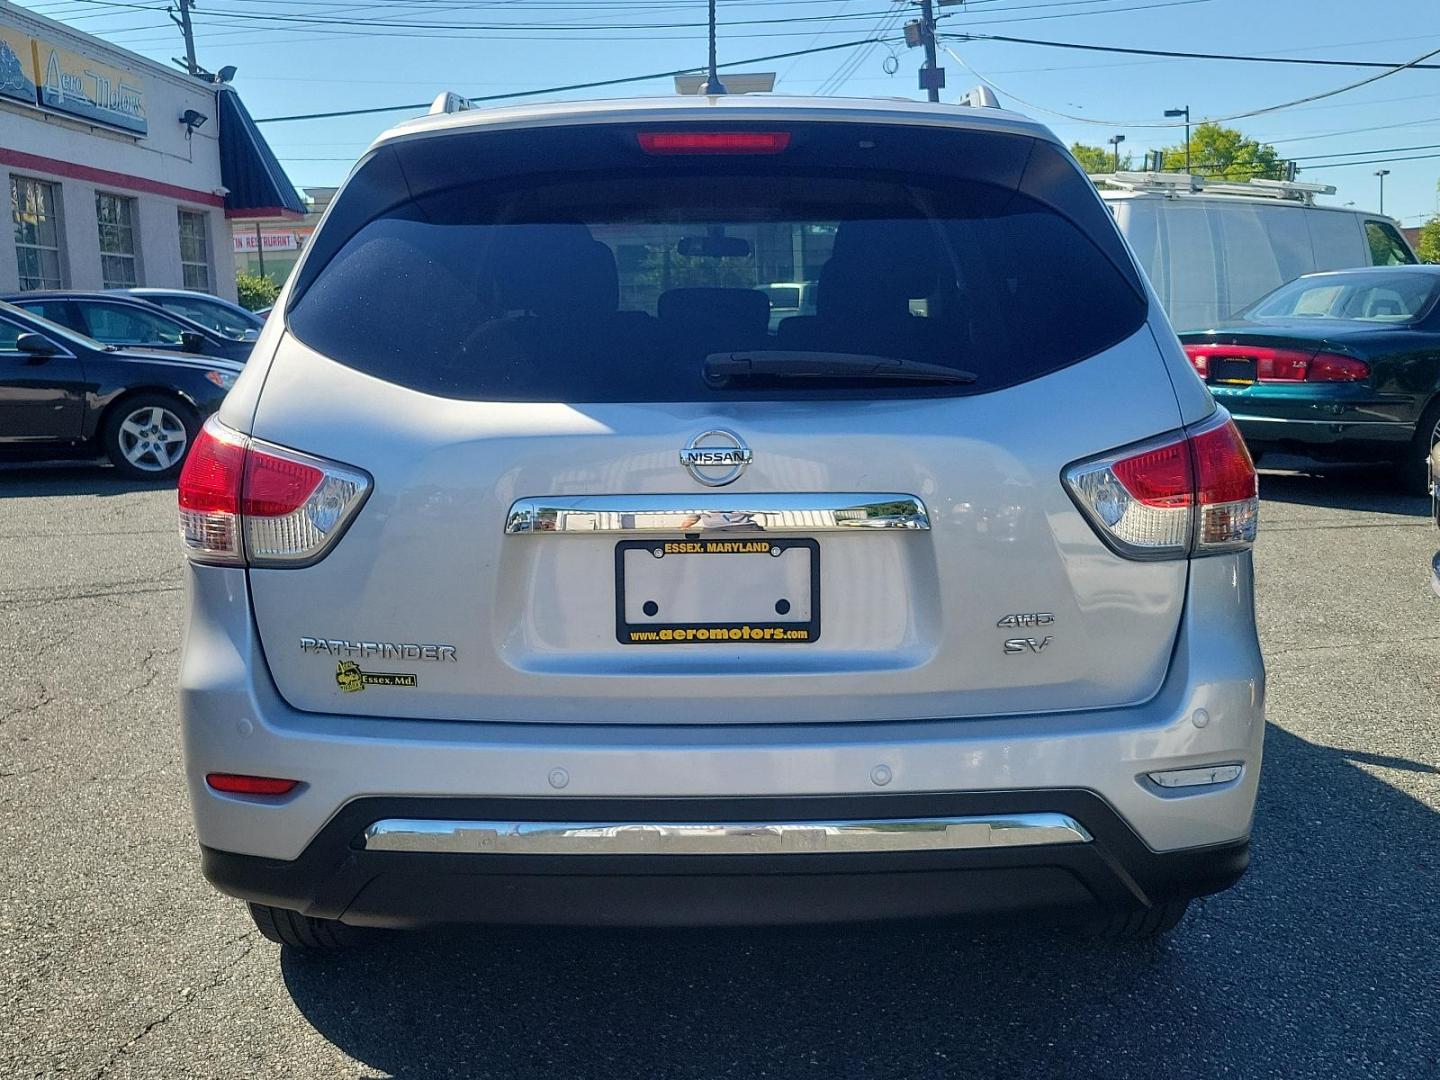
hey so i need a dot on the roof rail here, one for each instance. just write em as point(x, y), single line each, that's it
point(449, 102)
point(1174, 183)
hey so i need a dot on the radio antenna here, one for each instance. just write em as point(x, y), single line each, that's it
point(713, 85)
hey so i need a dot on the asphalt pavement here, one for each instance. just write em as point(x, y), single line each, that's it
point(118, 960)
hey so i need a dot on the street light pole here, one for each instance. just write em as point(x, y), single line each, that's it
point(1115, 141)
point(1185, 112)
point(1382, 173)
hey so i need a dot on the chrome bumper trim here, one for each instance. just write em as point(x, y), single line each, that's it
point(712, 838)
point(636, 514)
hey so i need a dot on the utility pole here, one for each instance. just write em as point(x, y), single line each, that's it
point(1185, 112)
point(932, 75)
point(1115, 141)
point(1382, 173)
point(186, 29)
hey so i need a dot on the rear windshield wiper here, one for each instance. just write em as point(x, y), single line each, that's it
point(723, 368)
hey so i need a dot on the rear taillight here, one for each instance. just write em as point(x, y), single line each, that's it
point(1193, 493)
point(713, 142)
point(1280, 365)
point(246, 502)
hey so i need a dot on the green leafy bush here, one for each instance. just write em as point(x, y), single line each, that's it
point(255, 292)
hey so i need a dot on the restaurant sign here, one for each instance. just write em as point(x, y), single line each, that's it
point(270, 241)
point(39, 73)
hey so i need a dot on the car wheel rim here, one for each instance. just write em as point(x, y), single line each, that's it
point(153, 439)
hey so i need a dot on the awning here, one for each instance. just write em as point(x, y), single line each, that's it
point(258, 185)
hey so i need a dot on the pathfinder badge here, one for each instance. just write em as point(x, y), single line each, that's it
point(351, 679)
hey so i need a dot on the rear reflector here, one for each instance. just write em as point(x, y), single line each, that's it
point(237, 784)
point(1194, 493)
point(243, 501)
point(1202, 777)
point(1280, 365)
point(713, 142)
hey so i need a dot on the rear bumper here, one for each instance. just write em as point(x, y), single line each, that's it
point(1103, 866)
point(1363, 439)
point(304, 851)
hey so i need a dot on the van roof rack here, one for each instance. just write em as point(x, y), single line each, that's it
point(1172, 183)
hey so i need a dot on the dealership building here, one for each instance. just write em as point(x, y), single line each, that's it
point(120, 170)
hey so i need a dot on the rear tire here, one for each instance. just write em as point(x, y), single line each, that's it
point(1413, 472)
point(304, 932)
point(147, 436)
point(1141, 925)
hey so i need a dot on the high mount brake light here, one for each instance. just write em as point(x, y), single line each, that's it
point(713, 142)
point(1193, 493)
point(1281, 365)
point(246, 502)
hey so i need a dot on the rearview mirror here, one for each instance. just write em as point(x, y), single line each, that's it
point(714, 247)
point(192, 340)
point(36, 345)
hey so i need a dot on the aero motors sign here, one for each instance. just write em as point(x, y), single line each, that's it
point(75, 84)
point(17, 65)
point(39, 73)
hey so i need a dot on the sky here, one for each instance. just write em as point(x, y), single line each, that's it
point(304, 56)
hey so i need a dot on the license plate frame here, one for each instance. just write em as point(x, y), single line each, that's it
point(1232, 371)
point(772, 631)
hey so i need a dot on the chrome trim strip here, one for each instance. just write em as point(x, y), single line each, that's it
point(716, 838)
point(636, 514)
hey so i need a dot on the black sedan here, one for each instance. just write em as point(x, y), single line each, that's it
point(1341, 366)
point(117, 318)
point(211, 312)
point(63, 394)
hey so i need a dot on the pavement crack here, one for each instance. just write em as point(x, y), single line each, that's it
point(1289, 649)
point(46, 697)
point(218, 977)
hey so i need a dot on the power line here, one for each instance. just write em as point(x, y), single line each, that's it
point(1195, 55)
point(571, 86)
point(1393, 70)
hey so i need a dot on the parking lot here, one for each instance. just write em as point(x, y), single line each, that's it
point(117, 959)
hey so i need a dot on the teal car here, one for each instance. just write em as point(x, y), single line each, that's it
point(1335, 367)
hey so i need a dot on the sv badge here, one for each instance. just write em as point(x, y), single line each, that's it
point(1026, 644)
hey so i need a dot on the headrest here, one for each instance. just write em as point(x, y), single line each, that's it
point(554, 270)
point(744, 310)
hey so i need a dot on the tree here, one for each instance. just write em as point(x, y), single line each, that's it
point(1428, 246)
point(1096, 159)
point(1225, 152)
point(255, 292)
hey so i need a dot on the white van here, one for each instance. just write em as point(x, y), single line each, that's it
point(1210, 248)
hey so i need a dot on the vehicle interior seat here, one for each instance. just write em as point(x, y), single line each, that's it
point(865, 290)
point(558, 290)
point(701, 321)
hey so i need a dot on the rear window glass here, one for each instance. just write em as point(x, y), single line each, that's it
point(1373, 297)
point(616, 285)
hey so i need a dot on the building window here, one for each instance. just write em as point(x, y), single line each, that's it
point(195, 250)
point(119, 267)
point(35, 209)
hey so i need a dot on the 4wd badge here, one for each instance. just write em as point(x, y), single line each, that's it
point(351, 679)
